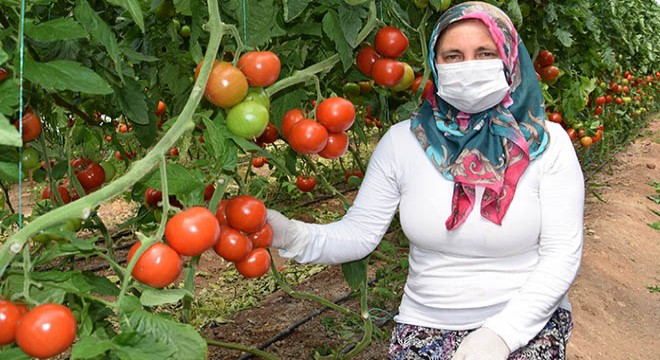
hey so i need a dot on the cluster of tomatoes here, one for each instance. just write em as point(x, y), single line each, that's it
point(325, 136)
point(379, 61)
point(91, 176)
point(238, 232)
point(545, 68)
point(42, 332)
point(238, 89)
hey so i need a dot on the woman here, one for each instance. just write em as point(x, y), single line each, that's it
point(491, 283)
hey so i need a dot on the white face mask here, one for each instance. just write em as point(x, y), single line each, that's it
point(472, 86)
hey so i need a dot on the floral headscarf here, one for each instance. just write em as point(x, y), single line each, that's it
point(491, 148)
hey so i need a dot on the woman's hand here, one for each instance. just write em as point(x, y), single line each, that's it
point(288, 234)
point(482, 344)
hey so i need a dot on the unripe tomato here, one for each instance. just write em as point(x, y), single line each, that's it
point(31, 126)
point(336, 146)
point(406, 80)
point(336, 114)
point(227, 86)
point(391, 42)
point(46, 331)
point(246, 213)
point(586, 141)
point(263, 237)
point(232, 244)
point(158, 266)
point(9, 316)
point(387, 72)
point(247, 119)
point(290, 118)
point(261, 68)
point(305, 184)
point(30, 159)
point(255, 264)
point(259, 96)
point(308, 137)
point(192, 231)
point(366, 58)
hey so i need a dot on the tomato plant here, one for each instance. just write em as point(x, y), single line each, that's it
point(192, 231)
point(158, 266)
point(261, 68)
point(46, 330)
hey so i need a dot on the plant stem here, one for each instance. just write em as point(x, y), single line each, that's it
point(248, 349)
point(325, 182)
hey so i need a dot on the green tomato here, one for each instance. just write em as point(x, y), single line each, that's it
point(351, 89)
point(177, 24)
point(185, 31)
point(165, 10)
point(525, 10)
point(259, 96)
point(421, 4)
point(109, 170)
point(248, 119)
point(30, 159)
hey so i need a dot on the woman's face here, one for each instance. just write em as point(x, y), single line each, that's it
point(466, 40)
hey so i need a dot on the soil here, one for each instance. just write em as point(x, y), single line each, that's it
point(616, 296)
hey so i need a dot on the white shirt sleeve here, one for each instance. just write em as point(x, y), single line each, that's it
point(560, 247)
point(359, 232)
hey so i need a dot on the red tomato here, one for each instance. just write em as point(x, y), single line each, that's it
point(123, 128)
point(269, 135)
point(549, 73)
point(246, 213)
point(305, 184)
point(208, 191)
point(418, 81)
point(308, 137)
point(161, 108)
point(158, 266)
point(391, 42)
point(80, 163)
point(227, 85)
point(545, 58)
point(261, 68)
point(290, 118)
point(3, 74)
point(259, 161)
point(555, 117)
point(365, 59)
point(336, 146)
point(174, 152)
point(64, 194)
point(387, 72)
point(9, 315)
point(336, 114)
point(92, 177)
point(263, 237)
point(192, 231)
point(46, 330)
point(598, 110)
point(152, 197)
point(618, 100)
point(586, 141)
point(608, 98)
point(255, 264)
point(31, 126)
point(601, 100)
point(221, 212)
point(232, 245)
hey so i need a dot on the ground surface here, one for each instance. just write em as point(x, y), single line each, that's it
point(616, 315)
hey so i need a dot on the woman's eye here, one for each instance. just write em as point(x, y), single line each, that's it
point(487, 55)
point(453, 57)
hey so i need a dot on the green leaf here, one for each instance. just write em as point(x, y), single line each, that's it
point(258, 23)
point(350, 19)
point(179, 180)
point(332, 28)
point(655, 225)
point(293, 8)
point(513, 10)
point(8, 133)
point(65, 75)
point(219, 146)
point(355, 272)
point(133, 7)
point(9, 97)
point(155, 297)
point(132, 345)
point(564, 37)
point(183, 338)
point(3, 56)
point(99, 30)
point(8, 172)
point(133, 101)
point(58, 29)
point(100, 284)
point(88, 347)
point(14, 354)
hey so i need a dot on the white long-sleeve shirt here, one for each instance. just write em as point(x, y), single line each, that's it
point(509, 278)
